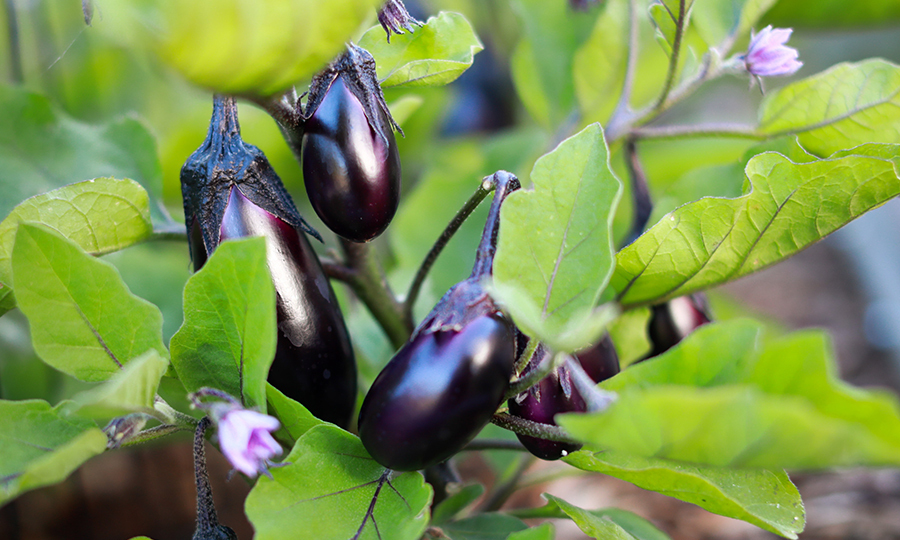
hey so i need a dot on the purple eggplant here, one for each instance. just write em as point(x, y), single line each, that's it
point(231, 191)
point(443, 386)
point(351, 166)
point(556, 394)
point(672, 321)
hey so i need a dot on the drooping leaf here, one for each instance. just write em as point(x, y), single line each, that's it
point(41, 148)
point(554, 254)
point(456, 503)
point(764, 498)
point(39, 446)
point(100, 215)
point(544, 531)
point(596, 526)
point(840, 108)
point(542, 60)
point(432, 55)
point(718, 21)
point(487, 526)
point(790, 206)
point(295, 418)
point(633, 524)
point(132, 389)
point(84, 320)
point(256, 47)
point(228, 337)
point(725, 397)
point(332, 489)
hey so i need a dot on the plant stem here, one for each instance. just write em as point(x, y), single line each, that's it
point(673, 60)
point(493, 444)
point(370, 285)
point(502, 492)
point(532, 429)
point(620, 114)
point(640, 193)
point(207, 519)
point(174, 232)
point(155, 433)
point(546, 366)
point(525, 359)
point(483, 189)
point(740, 131)
point(15, 51)
point(595, 399)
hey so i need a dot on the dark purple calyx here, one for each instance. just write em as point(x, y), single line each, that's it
point(351, 166)
point(394, 17)
point(672, 321)
point(443, 386)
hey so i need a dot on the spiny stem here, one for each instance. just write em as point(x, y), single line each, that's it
point(206, 510)
point(155, 433)
point(483, 189)
point(370, 285)
point(532, 429)
point(493, 444)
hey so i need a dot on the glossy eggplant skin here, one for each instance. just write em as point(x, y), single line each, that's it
point(437, 393)
point(351, 171)
point(231, 191)
point(314, 361)
point(556, 394)
point(672, 321)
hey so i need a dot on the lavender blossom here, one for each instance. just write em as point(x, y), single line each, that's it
point(245, 438)
point(767, 55)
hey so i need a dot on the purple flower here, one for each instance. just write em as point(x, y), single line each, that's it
point(768, 56)
point(245, 438)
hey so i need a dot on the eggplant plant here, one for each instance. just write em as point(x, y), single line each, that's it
point(349, 376)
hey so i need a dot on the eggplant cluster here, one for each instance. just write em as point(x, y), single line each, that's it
point(556, 394)
point(231, 191)
point(445, 383)
point(351, 167)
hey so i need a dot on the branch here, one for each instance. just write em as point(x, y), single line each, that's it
point(620, 114)
point(532, 429)
point(673, 60)
point(739, 131)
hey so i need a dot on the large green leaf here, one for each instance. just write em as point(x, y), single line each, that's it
point(488, 526)
point(246, 46)
point(595, 525)
point(764, 498)
point(332, 489)
point(790, 206)
point(130, 390)
point(834, 14)
point(842, 107)
point(295, 418)
point(228, 337)
point(555, 255)
point(100, 215)
point(42, 148)
point(544, 531)
point(39, 446)
point(542, 60)
point(84, 320)
point(599, 65)
point(724, 397)
point(432, 55)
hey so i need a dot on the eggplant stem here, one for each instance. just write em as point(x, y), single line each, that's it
point(546, 366)
point(528, 428)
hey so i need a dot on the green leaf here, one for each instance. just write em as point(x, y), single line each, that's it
point(596, 526)
point(433, 55)
point(456, 503)
point(295, 418)
point(555, 244)
point(228, 337)
point(629, 333)
point(599, 65)
point(489, 526)
point(724, 397)
point(766, 499)
point(84, 320)
point(39, 446)
point(720, 21)
point(544, 531)
point(633, 524)
point(240, 47)
point(834, 14)
point(101, 216)
point(332, 489)
point(542, 60)
point(41, 148)
point(842, 107)
point(132, 389)
point(790, 206)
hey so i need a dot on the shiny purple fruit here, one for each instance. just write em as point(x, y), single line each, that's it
point(351, 170)
point(672, 321)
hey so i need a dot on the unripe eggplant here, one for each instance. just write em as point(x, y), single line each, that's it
point(672, 321)
point(351, 166)
point(443, 386)
point(231, 191)
point(556, 394)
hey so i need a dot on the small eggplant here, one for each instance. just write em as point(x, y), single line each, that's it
point(443, 386)
point(672, 321)
point(231, 191)
point(351, 166)
point(556, 394)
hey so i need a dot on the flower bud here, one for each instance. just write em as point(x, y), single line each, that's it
point(231, 191)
